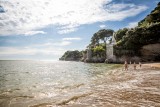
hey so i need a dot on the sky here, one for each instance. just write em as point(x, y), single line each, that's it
point(45, 29)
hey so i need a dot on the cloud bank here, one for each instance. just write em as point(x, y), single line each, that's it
point(6, 51)
point(102, 26)
point(132, 24)
point(34, 32)
point(69, 39)
point(22, 16)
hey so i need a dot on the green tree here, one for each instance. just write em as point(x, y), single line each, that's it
point(101, 35)
point(99, 50)
point(153, 17)
point(72, 55)
point(120, 33)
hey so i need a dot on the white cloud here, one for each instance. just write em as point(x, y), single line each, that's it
point(7, 51)
point(17, 51)
point(57, 44)
point(68, 39)
point(23, 16)
point(54, 49)
point(102, 26)
point(64, 31)
point(67, 28)
point(34, 32)
point(132, 25)
point(63, 43)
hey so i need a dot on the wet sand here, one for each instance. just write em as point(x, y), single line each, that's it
point(114, 88)
point(132, 88)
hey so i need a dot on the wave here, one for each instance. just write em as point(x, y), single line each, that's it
point(62, 102)
point(42, 105)
point(72, 86)
point(7, 101)
point(73, 98)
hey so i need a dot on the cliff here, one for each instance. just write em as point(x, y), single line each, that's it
point(151, 52)
point(153, 17)
point(133, 42)
point(141, 43)
point(71, 56)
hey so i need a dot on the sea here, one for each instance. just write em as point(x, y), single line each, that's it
point(25, 83)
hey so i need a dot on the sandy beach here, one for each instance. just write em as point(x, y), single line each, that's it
point(96, 85)
point(132, 88)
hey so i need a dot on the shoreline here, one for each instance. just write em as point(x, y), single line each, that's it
point(112, 87)
point(130, 88)
point(153, 65)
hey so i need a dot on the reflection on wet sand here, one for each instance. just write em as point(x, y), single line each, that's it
point(96, 85)
point(140, 88)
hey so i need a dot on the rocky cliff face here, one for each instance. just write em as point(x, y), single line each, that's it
point(151, 52)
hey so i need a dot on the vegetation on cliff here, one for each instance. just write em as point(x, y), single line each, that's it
point(100, 37)
point(153, 17)
point(98, 43)
point(72, 56)
point(97, 46)
point(129, 42)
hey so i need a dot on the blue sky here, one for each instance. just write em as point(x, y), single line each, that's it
point(45, 29)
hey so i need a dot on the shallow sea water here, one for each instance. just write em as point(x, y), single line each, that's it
point(28, 83)
point(76, 84)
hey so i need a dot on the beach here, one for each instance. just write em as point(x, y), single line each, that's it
point(132, 88)
point(79, 53)
point(77, 84)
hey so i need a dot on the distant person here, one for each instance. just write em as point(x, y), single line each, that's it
point(130, 62)
point(134, 65)
point(140, 64)
point(125, 65)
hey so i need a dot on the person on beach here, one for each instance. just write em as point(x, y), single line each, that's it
point(134, 65)
point(140, 64)
point(130, 62)
point(125, 65)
